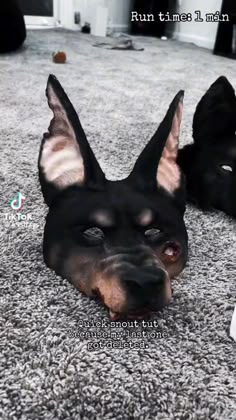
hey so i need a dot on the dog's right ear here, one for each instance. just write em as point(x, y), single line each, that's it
point(215, 115)
point(156, 167)
point(65, 158)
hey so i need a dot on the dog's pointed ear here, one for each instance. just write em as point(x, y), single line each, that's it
point(65, 158)
point(215, 115)
point(157, 164)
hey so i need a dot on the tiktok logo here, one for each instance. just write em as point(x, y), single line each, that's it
point(17, 202)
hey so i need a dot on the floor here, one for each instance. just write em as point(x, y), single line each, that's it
point(185, 368)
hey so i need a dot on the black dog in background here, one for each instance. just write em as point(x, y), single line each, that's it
point(12, 26)
point(209, 163)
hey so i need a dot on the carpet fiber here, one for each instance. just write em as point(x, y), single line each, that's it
point(184, 367)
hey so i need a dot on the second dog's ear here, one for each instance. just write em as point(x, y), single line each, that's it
point(215, 115)
point(157, 164)
point(65, 158)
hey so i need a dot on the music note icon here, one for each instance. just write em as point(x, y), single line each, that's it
point(17, 202)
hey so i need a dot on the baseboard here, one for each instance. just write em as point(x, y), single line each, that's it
point(119, 28)
point(193, 38)
point(40, 27)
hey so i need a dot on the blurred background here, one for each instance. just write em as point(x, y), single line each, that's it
point(108, 16)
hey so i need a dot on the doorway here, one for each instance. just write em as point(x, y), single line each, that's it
point(43, 13)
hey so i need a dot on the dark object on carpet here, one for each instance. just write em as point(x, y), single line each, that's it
point(124, 44)
point(210, 162)
point(12, 26)
point(86, 29)
point(226, 34)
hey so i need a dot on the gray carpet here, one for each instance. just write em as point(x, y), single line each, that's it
point(187, 368)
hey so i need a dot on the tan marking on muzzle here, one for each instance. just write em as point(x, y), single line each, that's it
point(171, 268)
point(168, 291)
point(80, 271)
point(110, 291)
point(83, 274)
point(175, 269)
point(167, 287)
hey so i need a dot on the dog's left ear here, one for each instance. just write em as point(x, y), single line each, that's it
point(215, 115)
point(66, 158)
point(157, 165)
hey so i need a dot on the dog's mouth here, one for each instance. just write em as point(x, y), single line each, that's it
point(139, 315)
point(115, 299)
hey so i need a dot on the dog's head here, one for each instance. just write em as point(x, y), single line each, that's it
point(210, 162)
point(119, 240)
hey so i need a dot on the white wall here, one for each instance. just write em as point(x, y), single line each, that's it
point(200, 33)
point(118, 12)
point(66, 13)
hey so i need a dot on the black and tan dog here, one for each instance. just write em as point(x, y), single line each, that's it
point(210, 162)
point(119, 240)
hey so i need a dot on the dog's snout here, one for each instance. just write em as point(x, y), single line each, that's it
point(144, 283)
point(147, 287)
point(140, 279)
point(137, 256)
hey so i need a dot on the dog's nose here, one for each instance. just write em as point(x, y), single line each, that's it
point(147, 291)
point(146, 283)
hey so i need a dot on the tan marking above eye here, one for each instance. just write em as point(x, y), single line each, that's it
point(103, 218)
point(145, 217)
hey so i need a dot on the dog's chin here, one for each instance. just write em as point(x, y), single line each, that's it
point(139, 315)
point(123, 305)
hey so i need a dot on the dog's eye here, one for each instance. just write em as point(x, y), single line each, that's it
point(171, 252)
point(226, 168)
point(152, 233)
point(94, 235)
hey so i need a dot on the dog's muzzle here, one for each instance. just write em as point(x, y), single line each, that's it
point(132, 282)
